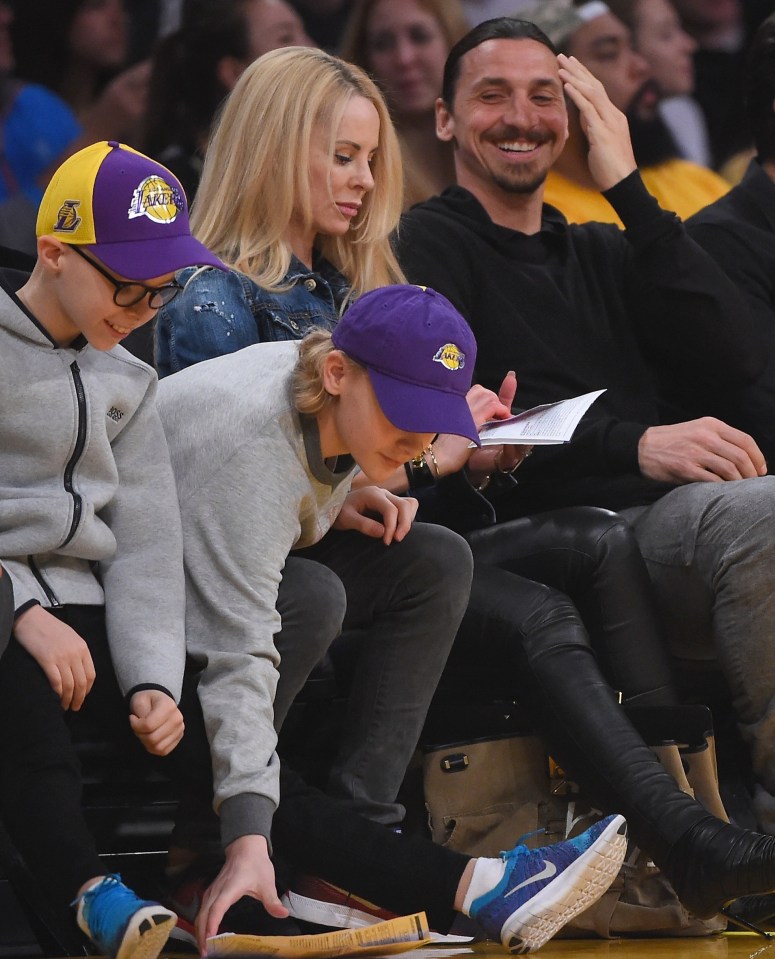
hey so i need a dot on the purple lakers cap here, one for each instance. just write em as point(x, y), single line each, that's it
point(126, 209)
point(419, 353)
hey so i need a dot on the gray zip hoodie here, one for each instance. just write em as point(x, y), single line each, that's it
point(252, 486)
point(88, 508)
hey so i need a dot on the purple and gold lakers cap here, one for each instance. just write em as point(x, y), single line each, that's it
point(126, 209)
point(419, 353)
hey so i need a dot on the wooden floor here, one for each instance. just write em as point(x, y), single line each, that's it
point(726, 946)
point(734, 945)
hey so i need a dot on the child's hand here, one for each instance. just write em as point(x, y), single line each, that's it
point(60, 652)
point(248, 871)
point(156, 721)
point(486, 405)
point(362, 505)
point(455, 452)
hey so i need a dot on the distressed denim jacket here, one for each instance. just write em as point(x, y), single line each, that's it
point(221, 312)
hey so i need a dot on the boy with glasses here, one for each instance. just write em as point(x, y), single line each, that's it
point(89, 529)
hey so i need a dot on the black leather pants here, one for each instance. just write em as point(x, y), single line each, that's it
point(578, 579)
point(525, 638)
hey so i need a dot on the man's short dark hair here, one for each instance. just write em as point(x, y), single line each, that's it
point(501, 28)
point(760, 89)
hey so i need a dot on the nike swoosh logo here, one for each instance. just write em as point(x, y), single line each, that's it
point(547, 872)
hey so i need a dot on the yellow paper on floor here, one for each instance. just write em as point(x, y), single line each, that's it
point(380, 939)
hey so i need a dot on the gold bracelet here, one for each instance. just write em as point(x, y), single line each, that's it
point(418, 472)
point(434, 461)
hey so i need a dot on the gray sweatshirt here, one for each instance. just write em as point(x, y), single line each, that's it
point(252, 486)
point(88, 508)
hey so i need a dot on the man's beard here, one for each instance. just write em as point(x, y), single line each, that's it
point(522, 187)
point(521, 181)
point(652, 141)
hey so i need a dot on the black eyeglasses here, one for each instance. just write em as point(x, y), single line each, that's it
point(131, 293)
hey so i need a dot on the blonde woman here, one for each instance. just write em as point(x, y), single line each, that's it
point(300, 190)
point(403, 44)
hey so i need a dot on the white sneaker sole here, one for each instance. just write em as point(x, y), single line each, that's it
point(147, 933)
point(577, 888)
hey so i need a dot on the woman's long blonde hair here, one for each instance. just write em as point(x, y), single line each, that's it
point(256, 170)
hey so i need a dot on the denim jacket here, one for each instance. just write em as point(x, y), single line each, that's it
point(221, 312)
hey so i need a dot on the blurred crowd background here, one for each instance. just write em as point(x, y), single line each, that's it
point(152, 73)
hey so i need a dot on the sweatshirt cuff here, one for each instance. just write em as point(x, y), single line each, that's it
point(621, 447)
point(633, 202)
point(248, 814)
point(24, 607)
point(142, 686)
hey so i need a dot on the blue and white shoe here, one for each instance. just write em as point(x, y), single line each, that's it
point(543, 889)
point(121, 925)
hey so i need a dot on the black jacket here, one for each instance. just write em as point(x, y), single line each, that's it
point(644, 313)
point(739, 233)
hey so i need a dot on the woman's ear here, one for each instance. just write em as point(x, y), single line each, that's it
point(335, 370)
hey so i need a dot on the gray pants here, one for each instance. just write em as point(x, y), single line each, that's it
point(400, 605)
point(710, 550)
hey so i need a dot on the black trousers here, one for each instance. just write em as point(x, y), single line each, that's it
point(40, 775)
point(6, 608)
point(318, 834)
point(568, 578)
point(40, 793)
point(584, 569)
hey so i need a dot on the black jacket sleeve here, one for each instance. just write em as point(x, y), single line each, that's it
point(692, 320)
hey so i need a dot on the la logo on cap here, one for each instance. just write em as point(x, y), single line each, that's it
point(451, 357)
point(156, 199)
point(68, 220)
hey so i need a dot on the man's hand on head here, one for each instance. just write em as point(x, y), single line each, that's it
point(610, 156)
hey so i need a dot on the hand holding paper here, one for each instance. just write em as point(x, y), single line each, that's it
point(544, 425)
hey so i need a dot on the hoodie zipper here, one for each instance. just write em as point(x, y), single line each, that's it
point(80, 442)
point(51, 596)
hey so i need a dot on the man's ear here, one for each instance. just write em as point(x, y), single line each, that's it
point(50, 253)
point(335, 369)
point(445, 122)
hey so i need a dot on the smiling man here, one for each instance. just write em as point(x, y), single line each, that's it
point(645, 313)
point(492, 109)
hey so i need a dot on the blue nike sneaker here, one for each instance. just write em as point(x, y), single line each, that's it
point(543, 889)
point(121, 925)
